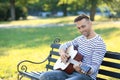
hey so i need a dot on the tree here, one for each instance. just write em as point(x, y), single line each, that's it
point(12, 9)
point(53, 6)
point(64, 4)
point(93, 4)
point(65, 7)
point(114, 5)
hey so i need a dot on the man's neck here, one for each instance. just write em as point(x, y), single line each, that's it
point(91, 35)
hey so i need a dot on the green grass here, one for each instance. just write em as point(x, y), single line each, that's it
point(38, 21)
point(50, 20)
point(17, 44)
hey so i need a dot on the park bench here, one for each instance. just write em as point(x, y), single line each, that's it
point(23, 69)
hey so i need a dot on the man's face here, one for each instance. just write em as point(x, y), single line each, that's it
point(84, 26)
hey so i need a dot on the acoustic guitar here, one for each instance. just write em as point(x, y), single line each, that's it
point(74, 58)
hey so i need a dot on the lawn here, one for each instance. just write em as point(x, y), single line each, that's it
point(50, 20)
point(17, 44)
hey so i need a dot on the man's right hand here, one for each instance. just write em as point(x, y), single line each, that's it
point(64, 57)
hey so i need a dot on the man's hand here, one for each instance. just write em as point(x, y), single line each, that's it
point(64, 57)
point(77, 67)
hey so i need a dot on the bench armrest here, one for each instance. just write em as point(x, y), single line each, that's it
point(23, 68)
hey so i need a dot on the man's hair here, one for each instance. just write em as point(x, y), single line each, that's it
point(80, 17)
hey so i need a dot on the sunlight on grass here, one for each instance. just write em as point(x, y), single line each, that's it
point(101, 18)
point(9, 62)
point(39, 21)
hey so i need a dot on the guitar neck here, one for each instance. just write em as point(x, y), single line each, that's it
point(73, 61)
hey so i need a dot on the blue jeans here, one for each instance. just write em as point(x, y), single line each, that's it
point(61, 75)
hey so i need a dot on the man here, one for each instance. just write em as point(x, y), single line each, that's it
point(90, 45)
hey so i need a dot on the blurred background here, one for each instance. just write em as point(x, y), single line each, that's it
point(28, 27)
point(22, 9)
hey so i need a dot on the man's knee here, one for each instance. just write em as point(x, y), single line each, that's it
point(45, 76)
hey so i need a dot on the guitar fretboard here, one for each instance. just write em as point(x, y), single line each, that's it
point(73, 61)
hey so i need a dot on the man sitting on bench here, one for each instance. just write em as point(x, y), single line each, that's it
point(90, 45)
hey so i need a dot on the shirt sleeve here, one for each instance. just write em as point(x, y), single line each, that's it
point(97, 57)
point(68, 44)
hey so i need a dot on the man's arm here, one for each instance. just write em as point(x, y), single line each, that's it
point(63, 47)
point(97, 58)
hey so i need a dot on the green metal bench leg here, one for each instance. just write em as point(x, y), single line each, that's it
point(19, 77)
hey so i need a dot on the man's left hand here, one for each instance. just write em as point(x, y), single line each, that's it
point(77, 67)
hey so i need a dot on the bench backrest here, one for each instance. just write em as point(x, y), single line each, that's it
point(110, 66)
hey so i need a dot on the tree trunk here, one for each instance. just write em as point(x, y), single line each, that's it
point(12, 9)
point(65, 8)
point(93, 9)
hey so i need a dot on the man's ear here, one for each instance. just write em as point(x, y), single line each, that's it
point(90, 22)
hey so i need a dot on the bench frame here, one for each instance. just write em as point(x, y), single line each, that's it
point(23, 69)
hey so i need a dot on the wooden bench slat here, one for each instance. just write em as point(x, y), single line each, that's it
point(111, 64)
point(52, 59)
point(109, 73)
point(54, 53)
point(112, 55)
point(48, 66)
point(56, 46)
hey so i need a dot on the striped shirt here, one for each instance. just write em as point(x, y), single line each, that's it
point(92, 49)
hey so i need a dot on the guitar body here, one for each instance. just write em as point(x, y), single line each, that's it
point(75, 58)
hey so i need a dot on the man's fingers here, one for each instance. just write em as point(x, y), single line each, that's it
point(67, 55)
point(63, 59)
point(74, 66)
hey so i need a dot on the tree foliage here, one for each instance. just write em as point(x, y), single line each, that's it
point(66, 6)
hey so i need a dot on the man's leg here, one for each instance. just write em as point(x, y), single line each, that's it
point(78, 76)
point(53, 75)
